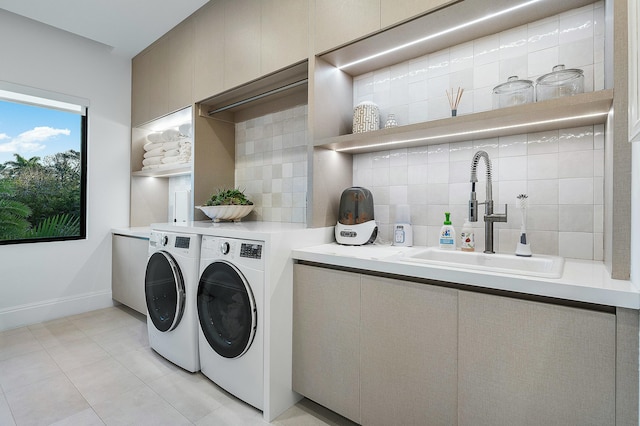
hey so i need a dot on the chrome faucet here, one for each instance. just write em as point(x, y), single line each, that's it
point(490, 217)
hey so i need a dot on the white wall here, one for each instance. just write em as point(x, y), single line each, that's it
point(48, 280)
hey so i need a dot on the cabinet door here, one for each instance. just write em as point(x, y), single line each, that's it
point(158, 77)
point(338, 22)
point(395, 11)
point(180, 65)
point(634, 70)
point(241, 42)
point(529, 363)
point(140, 89)
point(285, 33)
point(409, 346)
point(209, 51)
point(128, 267)
point(326, 338)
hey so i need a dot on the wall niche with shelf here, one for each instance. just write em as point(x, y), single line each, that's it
point(337, 75)
point(202, 157)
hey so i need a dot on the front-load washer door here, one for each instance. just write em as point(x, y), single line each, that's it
point(226, 309)
point(164, 291)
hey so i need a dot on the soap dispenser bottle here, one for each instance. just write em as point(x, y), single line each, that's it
point(467, 237)
point(447, 239)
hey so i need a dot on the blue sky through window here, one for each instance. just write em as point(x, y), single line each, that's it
point(33, 131)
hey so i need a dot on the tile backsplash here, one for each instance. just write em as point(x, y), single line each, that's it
point(561, 171)
point(271, 164)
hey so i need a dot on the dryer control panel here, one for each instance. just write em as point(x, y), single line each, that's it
point(249, 253)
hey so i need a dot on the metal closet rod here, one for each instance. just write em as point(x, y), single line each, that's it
point(257, 97)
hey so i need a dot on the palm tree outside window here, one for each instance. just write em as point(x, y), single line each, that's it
point(43, 141)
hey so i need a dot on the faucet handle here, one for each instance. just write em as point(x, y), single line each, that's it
point(497, 217)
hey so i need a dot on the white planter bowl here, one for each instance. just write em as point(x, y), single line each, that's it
point(218, 213)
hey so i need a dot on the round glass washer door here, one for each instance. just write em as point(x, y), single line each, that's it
point(226, 309)
point(164, 291)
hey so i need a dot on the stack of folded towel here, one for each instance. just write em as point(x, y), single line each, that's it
point(167, 147)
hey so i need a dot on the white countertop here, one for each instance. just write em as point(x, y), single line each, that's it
point(247, 230)
point(583, 281)
point(136, 232)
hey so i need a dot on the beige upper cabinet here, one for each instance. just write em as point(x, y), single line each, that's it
point(162, 75)
point(180, 65)
point(338, 22)
point(140, 88)
point(209, 51)
point(154, 96)
point(241, 42)
point(394, 11)
point(285, 33)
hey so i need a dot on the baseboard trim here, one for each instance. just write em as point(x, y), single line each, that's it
point(32, 313)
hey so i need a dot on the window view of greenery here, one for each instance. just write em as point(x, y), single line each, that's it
point(41, 174)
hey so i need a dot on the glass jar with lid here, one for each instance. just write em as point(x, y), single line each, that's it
point(560, 82)
point(513, 92)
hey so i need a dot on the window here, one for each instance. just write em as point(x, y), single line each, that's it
point(43, 162)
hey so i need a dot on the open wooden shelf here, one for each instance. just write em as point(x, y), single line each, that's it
point(574, 111)
point(454, 23)
point(168, 170)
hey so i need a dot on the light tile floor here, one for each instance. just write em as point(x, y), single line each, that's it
point(97, 368)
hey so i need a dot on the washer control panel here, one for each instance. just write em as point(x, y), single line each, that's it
point(182, 242)
point(251, 251)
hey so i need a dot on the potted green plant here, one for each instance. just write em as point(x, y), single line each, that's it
point(227, 204)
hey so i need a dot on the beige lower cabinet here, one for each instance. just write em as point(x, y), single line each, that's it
point(128, 267)
point(326, 338)
point(408, 347)
point(528, 363)
point(384, 351)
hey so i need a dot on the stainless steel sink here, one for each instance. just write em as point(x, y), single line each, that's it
point(537, 265)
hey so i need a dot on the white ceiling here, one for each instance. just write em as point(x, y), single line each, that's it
point(128, 26)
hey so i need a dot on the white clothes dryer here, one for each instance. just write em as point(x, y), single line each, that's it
point(171, 282)
point(231, 316)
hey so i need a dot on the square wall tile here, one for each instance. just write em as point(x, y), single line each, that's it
point(575, 245)
point(543, 166)
point(542, 34)
point(576, 191)
point(575, 164)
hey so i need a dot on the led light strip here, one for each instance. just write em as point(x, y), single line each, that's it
point(472, 132)
point(438, 34)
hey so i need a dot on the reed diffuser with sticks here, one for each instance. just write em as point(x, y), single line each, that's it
point(454, 100)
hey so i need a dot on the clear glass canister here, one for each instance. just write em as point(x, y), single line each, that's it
point(513, 92)
point(560, 82)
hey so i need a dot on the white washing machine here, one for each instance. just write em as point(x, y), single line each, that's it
point(231, 316)
point(171, 282)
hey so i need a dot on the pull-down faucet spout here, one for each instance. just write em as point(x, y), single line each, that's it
point(490, 217)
